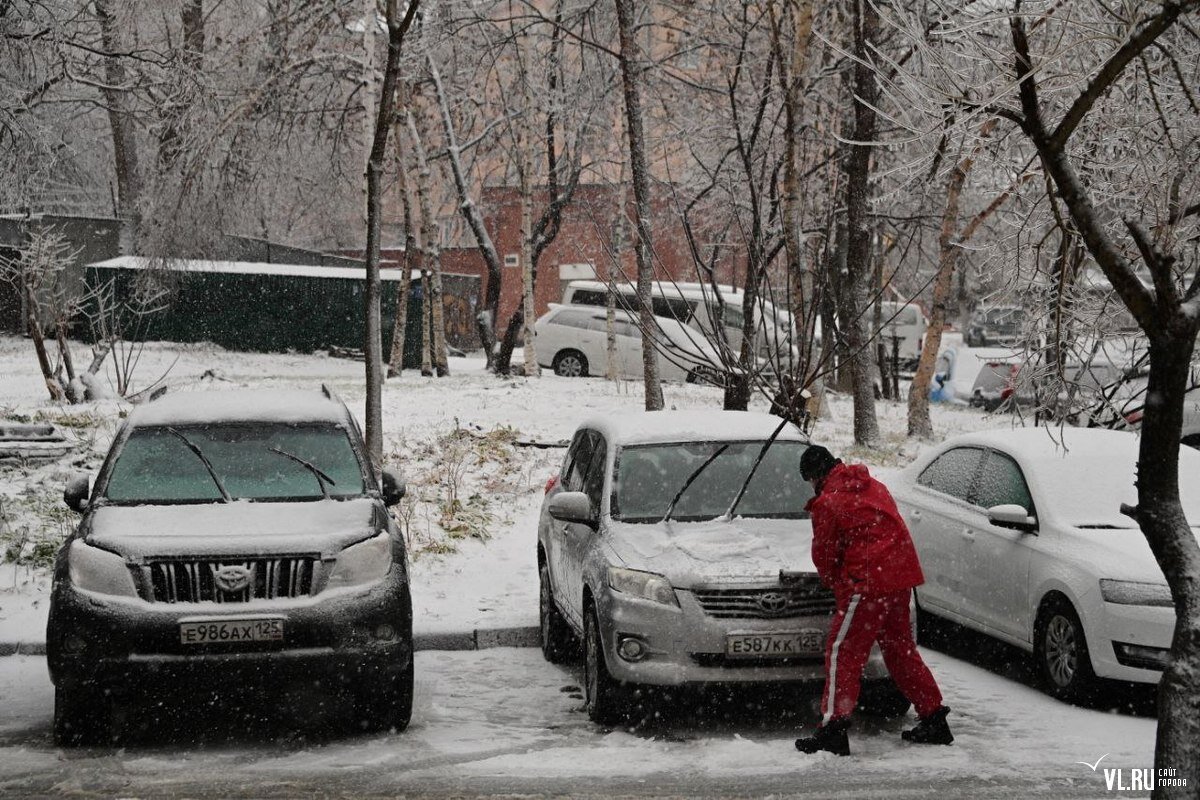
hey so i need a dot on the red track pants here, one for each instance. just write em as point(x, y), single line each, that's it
point(857, 625)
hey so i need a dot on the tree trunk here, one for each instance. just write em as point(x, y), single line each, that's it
point(34, 326)
point(373, 347)
point(121, 124)
point(486, 319)
point(426, 326)
point(858, 199)
point(431, 262)
point(399, 328)
point(632, 69)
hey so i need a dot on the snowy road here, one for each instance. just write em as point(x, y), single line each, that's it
point(504, 721)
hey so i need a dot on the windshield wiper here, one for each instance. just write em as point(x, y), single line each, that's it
point(212, 473)
point(321, 477)
point(761, 454)
point(691, 478)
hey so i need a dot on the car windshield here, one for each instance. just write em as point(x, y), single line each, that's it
point(1005, 316)
point(649, 476)
point(157, 466)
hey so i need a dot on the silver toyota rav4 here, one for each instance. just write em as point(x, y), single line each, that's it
point(641, 559)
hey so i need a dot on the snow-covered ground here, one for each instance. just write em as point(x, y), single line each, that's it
point(503, 720)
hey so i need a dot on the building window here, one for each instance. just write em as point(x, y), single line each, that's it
point(512, 260)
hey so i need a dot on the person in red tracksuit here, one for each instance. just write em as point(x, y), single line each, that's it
point(864, 553)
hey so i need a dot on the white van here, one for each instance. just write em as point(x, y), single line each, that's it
point(573, 341)
point(696, 305)
point(907, 323)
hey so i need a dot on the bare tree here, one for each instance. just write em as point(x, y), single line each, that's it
point(632, 70)
point(397, 26)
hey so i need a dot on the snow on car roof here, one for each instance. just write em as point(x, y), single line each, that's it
point(239, 405)
point(648, 427)
point(1085, 474)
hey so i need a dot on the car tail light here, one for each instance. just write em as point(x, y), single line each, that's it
point(550, 484)
point(1134, 417)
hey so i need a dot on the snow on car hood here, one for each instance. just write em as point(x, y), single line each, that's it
point(1118, 553)
point(716, 551)
point(232, 529)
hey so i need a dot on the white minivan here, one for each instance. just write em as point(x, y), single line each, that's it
point(695, 305)
point(907, 324)
point(573, 341)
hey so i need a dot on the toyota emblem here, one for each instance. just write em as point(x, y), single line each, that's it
point(232, 578)
point(772, 602)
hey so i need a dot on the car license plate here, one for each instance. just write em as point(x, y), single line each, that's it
point(759, 645)
point(230, 631)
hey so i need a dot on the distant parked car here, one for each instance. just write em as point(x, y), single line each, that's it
point(643, 556)
point(1125, 405)
point(573, 341)
point(234, 539)
point(1021, 537)
point(905, 323)
point(978, 376)
point(995, 326)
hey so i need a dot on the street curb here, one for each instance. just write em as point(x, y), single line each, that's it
point(478, 639)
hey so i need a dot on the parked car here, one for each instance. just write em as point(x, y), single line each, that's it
point(974, 376)
point(1021, 537)
point(698, 306)
point(996, 325)
point(643, 556)
point(1125, 405)
point(573, 341)
point(906, 324)
point(232, 539)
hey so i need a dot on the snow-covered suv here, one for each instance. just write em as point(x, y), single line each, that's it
point(232, 539)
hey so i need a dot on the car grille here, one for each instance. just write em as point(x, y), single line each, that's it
point(806, 599)
point(233, 580)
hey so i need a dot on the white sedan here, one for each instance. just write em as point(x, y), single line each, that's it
point(1021, 537)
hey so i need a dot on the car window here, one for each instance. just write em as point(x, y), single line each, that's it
point(628, 329)
point(593, 482)
point(572, 319)
point(157, 466)
point(1000, 482)
point(649, 476)
point(578, 458)
point(952, 471)
point(595, 323)
point(589, 297)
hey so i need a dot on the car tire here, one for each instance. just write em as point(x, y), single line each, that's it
point(558, 640)
point(605, 698)
point(1192, 440)
point(1060, 652)
point(82, 717)
point(883, 699)
point(570, 364)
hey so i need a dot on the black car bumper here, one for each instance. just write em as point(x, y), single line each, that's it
point(347, 637)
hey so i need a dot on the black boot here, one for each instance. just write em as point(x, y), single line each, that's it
point(931, 730)
point(830, 738)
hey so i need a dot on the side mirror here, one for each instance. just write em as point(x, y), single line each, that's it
point(393, 488)
point(573, 507)
point(1011, 515)
point(75, 495)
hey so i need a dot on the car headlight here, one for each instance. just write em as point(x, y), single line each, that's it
point(361, 563)
point(95, 570)
point(645, 585)
point(1134, 593)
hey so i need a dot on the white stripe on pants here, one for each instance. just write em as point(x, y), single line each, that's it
point(831, 679)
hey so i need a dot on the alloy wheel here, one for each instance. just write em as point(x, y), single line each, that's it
point(1062, 650)
point(570, 367)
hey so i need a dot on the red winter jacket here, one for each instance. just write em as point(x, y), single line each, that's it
point(860, 543)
